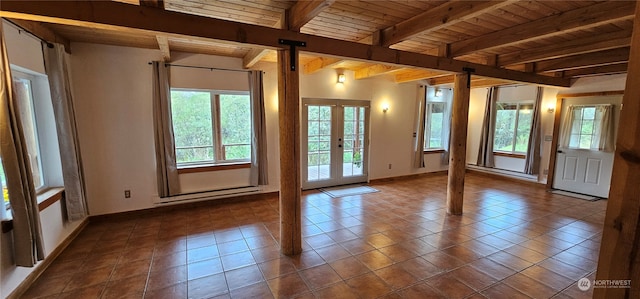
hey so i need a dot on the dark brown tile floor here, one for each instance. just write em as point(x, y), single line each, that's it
point(513, 241)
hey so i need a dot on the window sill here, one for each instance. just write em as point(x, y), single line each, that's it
point(434, 151)
point(208, 168)
point(510, 155)
point(49, 197)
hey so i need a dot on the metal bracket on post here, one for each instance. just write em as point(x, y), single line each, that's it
point(468, 70)
point(292, 47)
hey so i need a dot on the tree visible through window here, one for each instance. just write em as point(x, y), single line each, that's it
point(433, 134)
point(211, 127)
point(513, 125)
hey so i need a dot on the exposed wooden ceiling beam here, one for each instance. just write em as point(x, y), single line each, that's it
point(577, 19)
point(42, 32)
point(375, 70)
point(163, 45)
point(596, 70)
point(596, 43)
point(112, 15)
point(446, 14)
point(476, 82)
point(153, 3)
point(417, 75)
point(584, 60)
point(304, 11)
point(320, 63)
point(253, 57)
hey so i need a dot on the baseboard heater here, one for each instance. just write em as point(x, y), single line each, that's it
point(208, 195)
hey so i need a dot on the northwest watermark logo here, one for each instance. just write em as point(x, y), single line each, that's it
point(584, 284)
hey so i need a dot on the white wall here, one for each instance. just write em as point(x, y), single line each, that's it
point(25, 51)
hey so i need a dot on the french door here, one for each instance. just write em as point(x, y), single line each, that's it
point(334, 142)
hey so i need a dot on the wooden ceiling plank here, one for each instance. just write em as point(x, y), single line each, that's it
point(590, 44)
point(320, 63)
point(130, 18)
point(163, 44)
point(597, 70)
point(375, 70)
point(304, 11)
point(581, 18)
point(584, 60)
point(43, 32)
point(439, 17)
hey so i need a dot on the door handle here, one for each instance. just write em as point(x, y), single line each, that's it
point(559, 151)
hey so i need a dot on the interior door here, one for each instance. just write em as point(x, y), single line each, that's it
point(334, 142)
point(585, 171)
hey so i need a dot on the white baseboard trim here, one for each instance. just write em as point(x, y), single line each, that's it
point(200, 196)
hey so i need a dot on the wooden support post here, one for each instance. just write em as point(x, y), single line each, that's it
point(289, 114)
point(620, 246)
point(458, 144)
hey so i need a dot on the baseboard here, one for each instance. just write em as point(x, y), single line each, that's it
point(180, 206)
point(44, 264)
point(408, 177)
point(506, 177)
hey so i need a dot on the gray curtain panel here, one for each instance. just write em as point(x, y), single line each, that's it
point(166, 168)
point(418, 147)
point(64, 112)
point(28, 246)
point(485, 152)
point(532, 161)
point(259, 166)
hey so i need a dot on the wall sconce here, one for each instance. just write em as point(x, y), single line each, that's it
point(438, 93)
point(551, 108)
point(341, 78)
point(385, 107)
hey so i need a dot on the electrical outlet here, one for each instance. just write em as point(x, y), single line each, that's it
point(389, 165)
point(127, 193)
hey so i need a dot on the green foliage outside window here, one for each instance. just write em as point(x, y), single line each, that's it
point(513, 125)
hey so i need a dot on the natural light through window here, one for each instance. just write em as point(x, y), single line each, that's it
point(435, 126)
point(24, 98)
point(211, 127)
point(583, 127)
point(513, 125)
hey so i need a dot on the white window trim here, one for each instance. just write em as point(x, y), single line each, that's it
point(427, 130)
point(515, 129)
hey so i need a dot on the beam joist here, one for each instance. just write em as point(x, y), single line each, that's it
point(596, 70)
point(577, 19)
point(591, 44)
point(447, 14)
point(253, 57)
point(163, 45)
point(112, 15)
point(614, 56)
point(416, 75)
point(375, 70)
point(304, 11)
point(320, 63)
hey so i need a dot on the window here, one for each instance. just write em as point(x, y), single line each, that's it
point(513, 125)
point(211, 127)
point(583, 127)
point(4, 208)
point(23, 91)
point(433, 133)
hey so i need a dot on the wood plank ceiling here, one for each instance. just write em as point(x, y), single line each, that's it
point(555, 38)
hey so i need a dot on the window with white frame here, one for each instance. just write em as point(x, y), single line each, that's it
point(512, 128)
point(211, 127)
point(583, 127)
point(436, 115)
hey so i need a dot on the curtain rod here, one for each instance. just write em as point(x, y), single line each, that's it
point(21, 29)
point(206, 68)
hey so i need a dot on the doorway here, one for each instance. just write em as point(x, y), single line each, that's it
point(580, 166)
point(334, 142)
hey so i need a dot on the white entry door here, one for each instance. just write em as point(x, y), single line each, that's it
point(579, 168)
point(334, 142)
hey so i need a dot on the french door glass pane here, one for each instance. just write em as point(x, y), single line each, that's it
point(319, 143)
point(353, 144)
